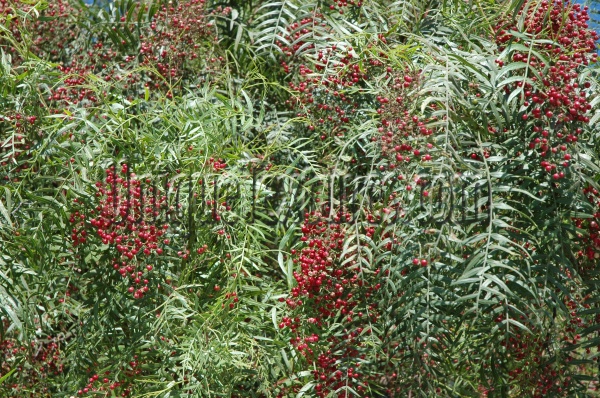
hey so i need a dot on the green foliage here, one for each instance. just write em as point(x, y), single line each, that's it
point(298, 198)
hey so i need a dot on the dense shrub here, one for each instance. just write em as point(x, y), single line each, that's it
point(277, 199)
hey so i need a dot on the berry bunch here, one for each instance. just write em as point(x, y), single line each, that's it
point(127, 219)
point(333, 289)
point(50, 31)
point(18, 133)
point(560, 43)
point(35, 362)
point(109, 385)
point(176, 43)
point(530, 357)
point(404, 136)
point(341, 4)
point(330, 93)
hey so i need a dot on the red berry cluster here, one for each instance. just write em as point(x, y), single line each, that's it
point(326, 93)
point(556, 99)
point(232, 298)
point(43, 359)
point(529, 358)
point(95, 384)
point(106, 386)
point(341, 4)
point(126, 217)
point(404, 136)
point(295, 35)
point(53, 32)
point(177, 38)
point(55, 27)
point(98, 60)
point(174, 44)
point(18, 132)
point(530, 370)
point(217, 164)
point(332, 289)
point(74, 89)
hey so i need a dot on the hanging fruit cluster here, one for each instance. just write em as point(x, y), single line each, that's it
point(131, 219)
